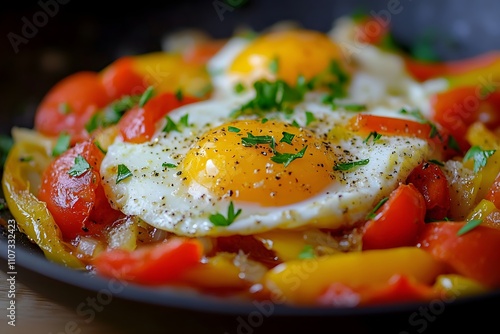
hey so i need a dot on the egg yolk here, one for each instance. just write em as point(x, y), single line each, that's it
point(287, 55)
point(268, 163)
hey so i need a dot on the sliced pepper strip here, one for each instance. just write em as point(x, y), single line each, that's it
point(32, 216)
point(303, 281)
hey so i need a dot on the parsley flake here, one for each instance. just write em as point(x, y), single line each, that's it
point(168, 165)
point(274, 65)
point(374, 134)
point(307, 252)
point(123, 173)
point(309, 118)
point(479, 156)
point(219, 220)
point(372, 213)
point(287, 138)
point(252, 140)
point(287, 158)
point(348, 165)
point(146, 96)
point(65, 108)
point(179, 95)
point(61, 145)
point(233, 129)
point(470, 225)
point(79, 167)
point(239, 88)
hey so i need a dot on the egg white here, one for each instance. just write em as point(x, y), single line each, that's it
point(159, 196)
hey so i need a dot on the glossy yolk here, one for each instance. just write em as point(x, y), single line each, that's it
point(295, 52)
point(222, 164)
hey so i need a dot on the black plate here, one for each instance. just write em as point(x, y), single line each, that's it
point(85, 36)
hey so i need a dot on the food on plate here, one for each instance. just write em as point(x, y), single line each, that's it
point(304, 167)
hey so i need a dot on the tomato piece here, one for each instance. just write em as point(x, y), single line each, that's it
point(456, 109)
point(422, 71)
point(430, 180)
point(475, 254)
point(121, 78)
point(402, 127)
point(153, 264)
point(139, 123)
point(398, 221)
point(77, 202)
point(493, 194)
point(201, 52)
point(371, 31)
point(69, 105)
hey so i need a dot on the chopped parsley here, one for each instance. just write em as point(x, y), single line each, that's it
point(349, 165)
point(421, 119)
point(122, 173)
point(65, 108)
point(309, 118)
point(239, 88)
point(307, 252)
point(287, 138)
point(479, 156)
point(146, 96)
point(252, 140)
point(172, 126)
point(233, 129)
point(61, 145)
point(112, 113)
point(436, 162)
point(287, 158)
point(274, 65)
point(179, 95)
point(219, 220)
point(453, 144)
point(281, 158)
point(371, 214)
point(470, 225)
point(168, 165)
point(270, 96)
point(373, 135)
point(79, 167)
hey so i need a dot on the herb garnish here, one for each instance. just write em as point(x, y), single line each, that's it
point(172, 126)
point(374, 134)
point(146, 96)
point(233, 129)
point(348, 165)
point(219, 220)
point(307, 252)
point(287, 158)
point(61, 145)
point(470, 225)
point(79, 167)
point(287, 138)
point(123, 173)
point(479, 156)
point(168, 165)
point(371, 214)
point(309, 118)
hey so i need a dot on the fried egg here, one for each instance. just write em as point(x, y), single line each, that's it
point(224, 175)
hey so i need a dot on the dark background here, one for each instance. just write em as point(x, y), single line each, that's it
point(88, 35)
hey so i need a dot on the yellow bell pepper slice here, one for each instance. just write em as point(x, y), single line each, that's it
point(25, 162)
point(454, 285)
point(302, 281)
point(218, 271)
